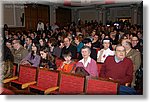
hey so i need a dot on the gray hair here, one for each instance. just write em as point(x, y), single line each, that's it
point(86, 47)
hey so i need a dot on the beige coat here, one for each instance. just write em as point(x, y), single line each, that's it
point(135, 56)
point(19, 54)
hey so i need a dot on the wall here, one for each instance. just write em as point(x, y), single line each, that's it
point(12, 15)
point(120, 12)
point(88, 14)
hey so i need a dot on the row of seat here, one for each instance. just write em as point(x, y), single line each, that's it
point(43, 81)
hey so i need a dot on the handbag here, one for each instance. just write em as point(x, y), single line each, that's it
point(81, 71)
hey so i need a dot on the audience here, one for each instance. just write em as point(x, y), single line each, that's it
point(80, 42)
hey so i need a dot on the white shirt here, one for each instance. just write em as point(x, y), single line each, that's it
point(40, 26)
point(104, 54)
point(85, 63)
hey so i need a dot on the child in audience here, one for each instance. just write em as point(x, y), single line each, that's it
point(67, 65)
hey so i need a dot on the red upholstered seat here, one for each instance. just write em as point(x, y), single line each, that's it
point(71, 84)
point(58, 62)
point(96, 86)
point(46, 79)
point(27, 75)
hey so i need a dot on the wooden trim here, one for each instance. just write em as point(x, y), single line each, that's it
point(47, 91)
point(27, 84)
point(9, 79)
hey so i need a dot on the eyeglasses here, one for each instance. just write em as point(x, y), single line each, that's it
point(120, 51)
point(13, 43)
point(134, 40)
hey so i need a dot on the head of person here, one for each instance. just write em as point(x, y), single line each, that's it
point(44, 53)
point(78, 39)
point(87, 42)
point(96, 37)
point(35, 47)
point(120, 52)
point(32, 35)
point(42, 42)
point(134, 41)
point(106, 43)
point(28, 40)
point(67, 56)
point(93, 33)
point(16, 44)
point(8, 44)
point(85, 51)
point(67, 41)
point(51, 42)
point(139, 34)
point(127, 44)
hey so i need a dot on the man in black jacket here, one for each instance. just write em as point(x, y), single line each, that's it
point(69, 47)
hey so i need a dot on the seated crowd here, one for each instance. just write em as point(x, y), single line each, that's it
point(118, 49)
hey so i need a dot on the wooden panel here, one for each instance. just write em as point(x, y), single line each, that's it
point(63, 16)
point(35, 13)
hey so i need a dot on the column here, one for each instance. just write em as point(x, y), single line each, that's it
point(52, 14)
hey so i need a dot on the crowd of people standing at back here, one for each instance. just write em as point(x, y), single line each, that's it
point(118, 48)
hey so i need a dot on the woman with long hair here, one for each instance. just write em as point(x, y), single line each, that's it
point(47, 60)
point(33, 58)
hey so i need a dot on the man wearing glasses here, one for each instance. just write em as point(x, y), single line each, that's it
point(118, 67)
point(18, 51)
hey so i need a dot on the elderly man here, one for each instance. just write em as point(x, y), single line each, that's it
point(118, 67)
point(134, 55)
point(18, 51)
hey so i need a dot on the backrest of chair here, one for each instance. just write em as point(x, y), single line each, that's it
point(27, 73)
point(71, 84)
point(15, 66)
point(99, 68)
point(47, 78)
point(96, 86)
point(58, 62)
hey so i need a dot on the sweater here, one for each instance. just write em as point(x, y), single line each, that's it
point(91, 68)
point(121, 71)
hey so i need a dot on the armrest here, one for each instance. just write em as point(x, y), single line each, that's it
point(47, 91)
point(27, 84)
point(9, 79)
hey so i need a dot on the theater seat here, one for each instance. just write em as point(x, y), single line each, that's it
point(71, 84)
point(27, 76)
point(15, 66)
point(46, 82)
point(101, 87)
